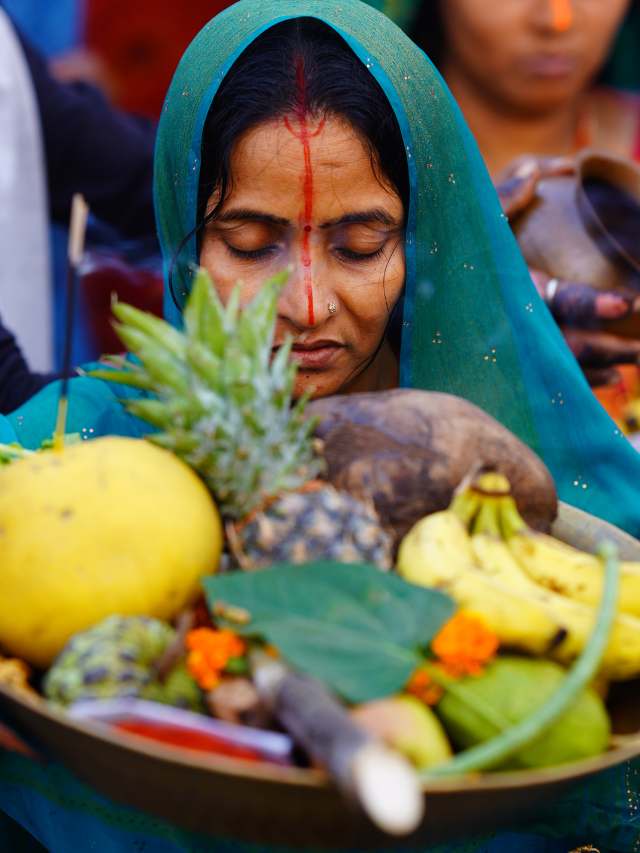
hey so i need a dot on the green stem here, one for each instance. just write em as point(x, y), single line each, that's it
point(465, 505)
point(511, 522)
point(486, 521)
point(498, 749)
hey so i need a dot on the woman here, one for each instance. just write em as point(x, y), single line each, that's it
point(523, 74)
point(336, 148)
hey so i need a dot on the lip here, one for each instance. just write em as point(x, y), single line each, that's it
point(316, 355)
point(551, 66)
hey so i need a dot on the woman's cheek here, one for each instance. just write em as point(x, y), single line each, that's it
point(387, 290)
point(225, 272)
point(370, 308)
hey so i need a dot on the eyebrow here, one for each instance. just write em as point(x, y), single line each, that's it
point(248, 215)
point(376, 214)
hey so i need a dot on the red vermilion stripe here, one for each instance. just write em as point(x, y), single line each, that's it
point(304, 135)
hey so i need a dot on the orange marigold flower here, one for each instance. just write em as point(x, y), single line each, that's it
point(464, 644)
point(422, 687)
point(205, 675)
point(210, 651)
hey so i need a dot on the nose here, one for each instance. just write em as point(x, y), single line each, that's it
point(306, 302)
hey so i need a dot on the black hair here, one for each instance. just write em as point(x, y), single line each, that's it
point(264, 83)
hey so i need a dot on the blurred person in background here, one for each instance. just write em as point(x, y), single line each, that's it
point(523, 73)
point(56, 139)
point(527, 76)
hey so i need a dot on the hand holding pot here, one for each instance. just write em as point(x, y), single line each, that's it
point(580, 310)
point(578, 225)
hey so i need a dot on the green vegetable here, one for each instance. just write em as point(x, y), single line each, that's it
point(514, 687)
point(499, 749)
point(355, 629)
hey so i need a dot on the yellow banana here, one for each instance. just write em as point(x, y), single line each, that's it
point(494, 558)
point(437, 553)
point(621, 659)
point(518, 621)
point(441, 540)
point(481, 573)
point(564, 569)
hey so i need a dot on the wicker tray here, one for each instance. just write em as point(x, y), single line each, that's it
point(276, 805)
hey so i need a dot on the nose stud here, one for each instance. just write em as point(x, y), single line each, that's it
point(332, 307)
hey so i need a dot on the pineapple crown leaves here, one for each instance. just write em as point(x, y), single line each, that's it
point(221, 400)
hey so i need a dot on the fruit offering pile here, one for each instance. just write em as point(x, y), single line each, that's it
point(158, 571)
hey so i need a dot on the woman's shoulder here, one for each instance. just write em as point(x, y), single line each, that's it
point(95, 408)
point(615, 121)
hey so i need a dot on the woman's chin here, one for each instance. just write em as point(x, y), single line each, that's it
point(317, 384)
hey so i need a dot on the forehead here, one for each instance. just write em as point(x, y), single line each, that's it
point(270, 160)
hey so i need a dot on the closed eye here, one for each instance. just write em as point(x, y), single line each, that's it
point(358, 257)
point(252, 254)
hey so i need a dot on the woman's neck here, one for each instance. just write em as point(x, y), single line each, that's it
point(503, 135)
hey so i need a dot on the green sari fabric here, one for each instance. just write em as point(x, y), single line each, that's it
point(473, 325)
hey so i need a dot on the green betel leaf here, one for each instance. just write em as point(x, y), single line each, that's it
point(356, 629)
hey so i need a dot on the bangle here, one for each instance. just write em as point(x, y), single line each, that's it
point(550, 290)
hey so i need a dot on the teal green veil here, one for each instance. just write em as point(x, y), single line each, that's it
point(473, 325)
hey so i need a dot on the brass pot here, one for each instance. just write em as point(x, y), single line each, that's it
point(585, 227)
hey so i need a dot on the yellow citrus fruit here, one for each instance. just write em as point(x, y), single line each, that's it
point(110, 526)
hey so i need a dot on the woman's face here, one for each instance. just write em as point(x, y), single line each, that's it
point(529, 55)
point(304, 194)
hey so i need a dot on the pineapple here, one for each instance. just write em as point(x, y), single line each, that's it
point(223, 402)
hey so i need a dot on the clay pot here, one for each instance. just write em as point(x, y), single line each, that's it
point(585, 227)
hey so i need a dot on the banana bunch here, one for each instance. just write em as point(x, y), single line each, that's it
point(536, 593)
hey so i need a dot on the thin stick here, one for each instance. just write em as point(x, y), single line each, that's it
point(382, 781)
point(77, 230)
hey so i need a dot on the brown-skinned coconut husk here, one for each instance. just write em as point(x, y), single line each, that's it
point(407, 451)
